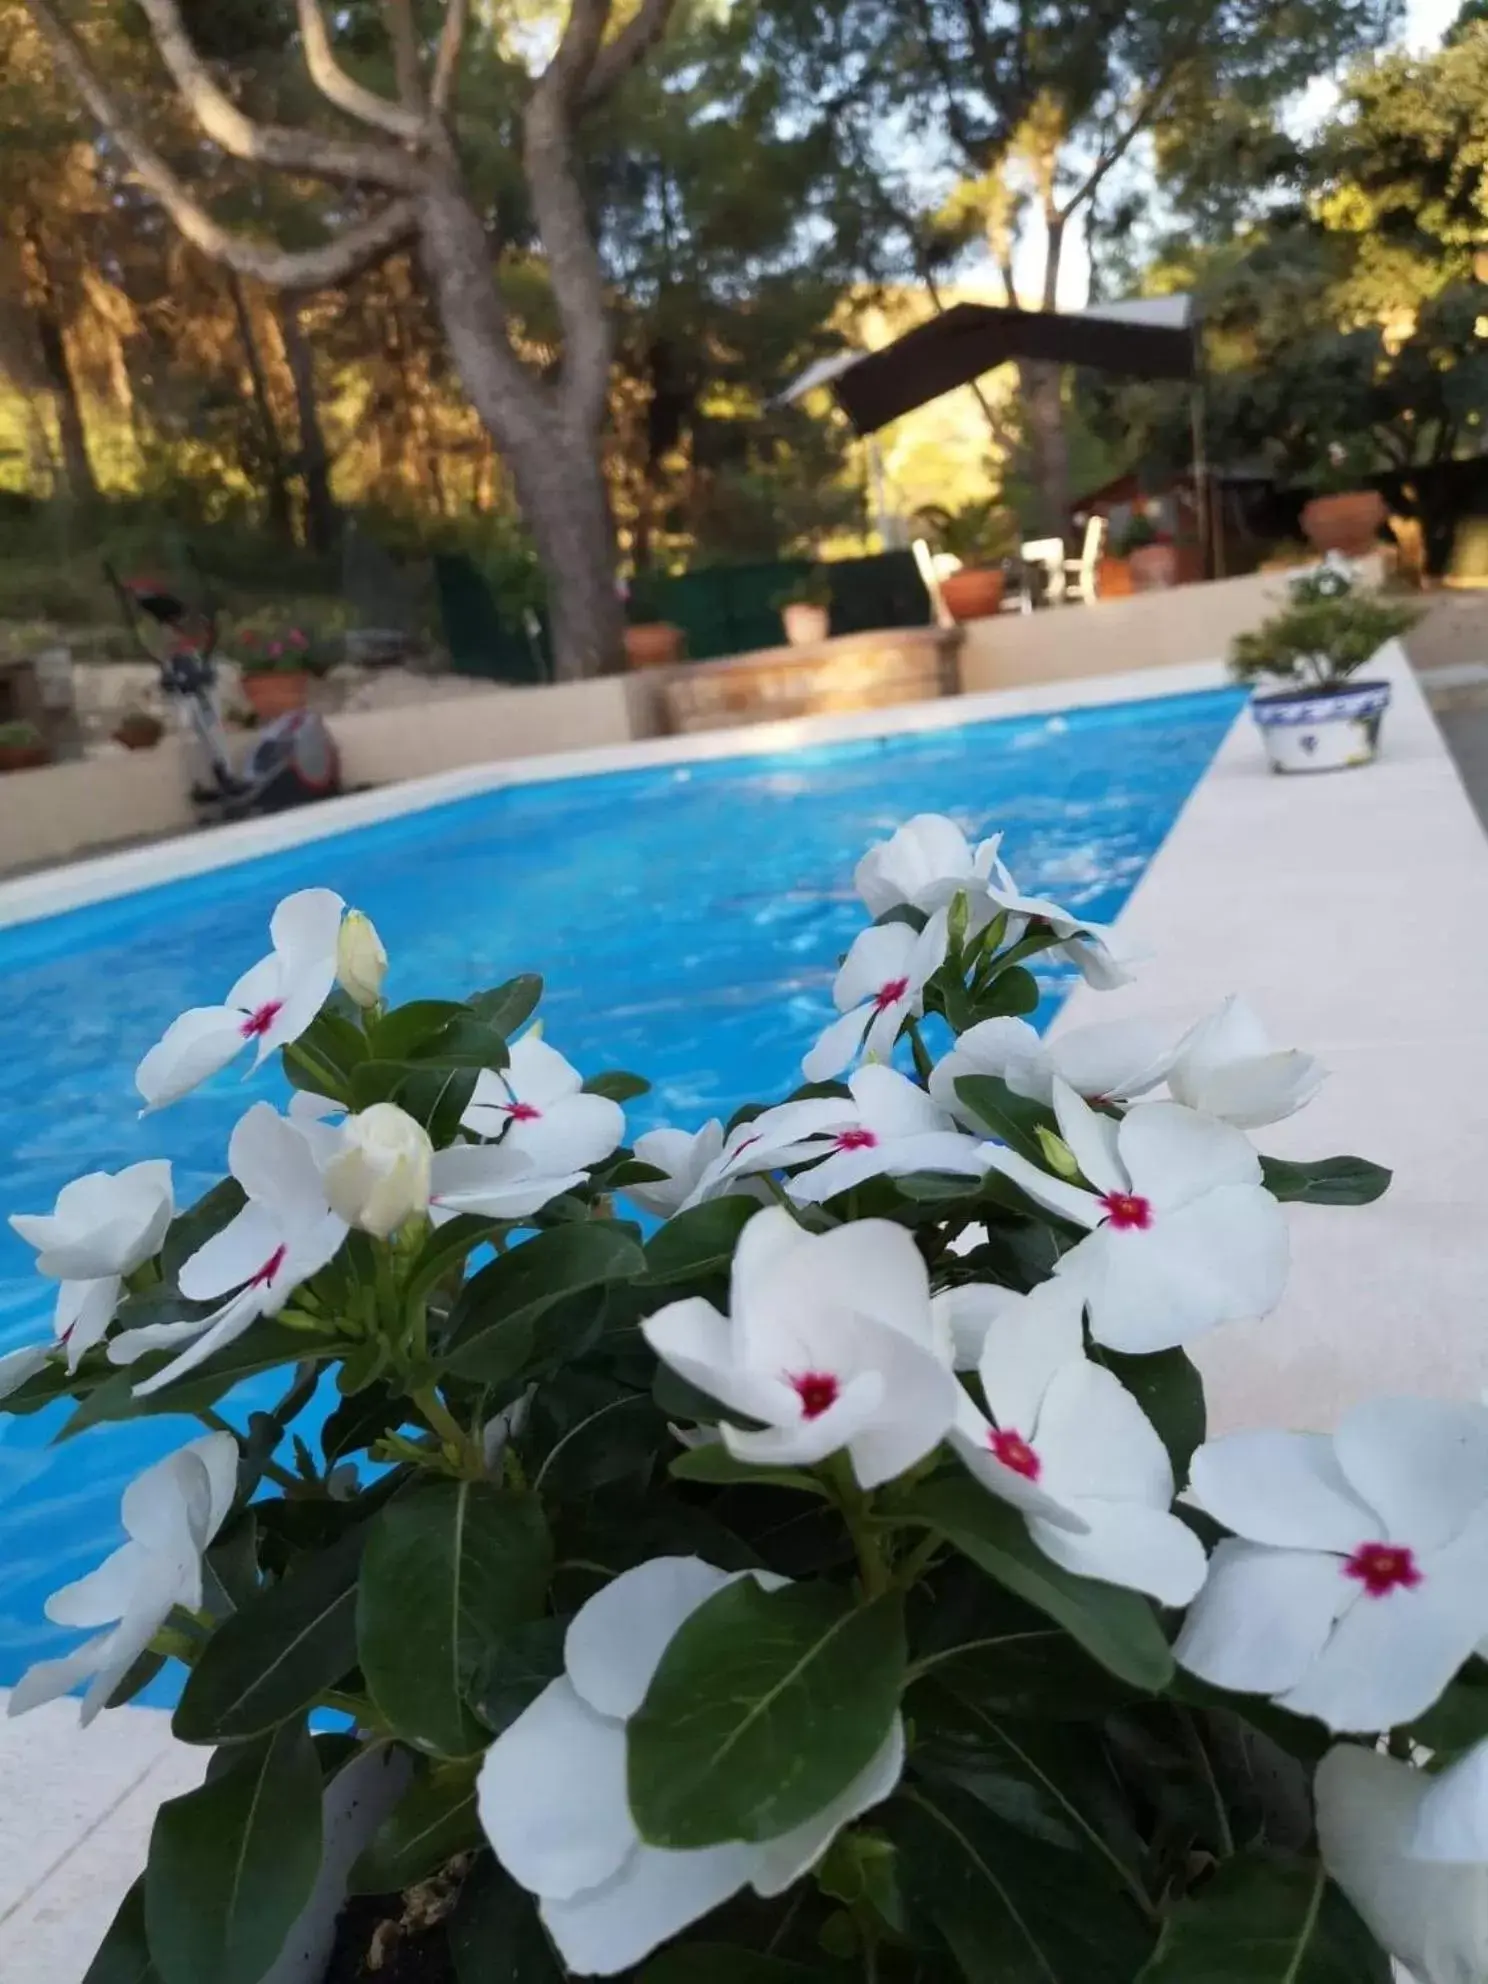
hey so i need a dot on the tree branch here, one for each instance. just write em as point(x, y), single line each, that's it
point(399, 17)
point(447, 54)
point(311, 268)
point(344, 91)
point(569, 71)
point(266, 144)
point(1151, 103)
point(623, 51)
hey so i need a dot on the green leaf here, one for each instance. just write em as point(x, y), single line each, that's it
point(1327, 1181)
point(395, 1036)
point(434, 1820)
point(619, 1087)
point(1266, 1918)
point(273, 1658)
point(463, 1043)
point(506, 1007)
point(194, 1227)
point(495, 1934)
point(1459, 1717)
point(765, 1706)
point(124, 1954)
point(1012, 1909)
point(700, 1241)
point(233, 1863)
point(1013, 991)
point(493, 1325)
point(360, 1419)
point(515, 1672)
point(714, 1463)
point(449, 1569)
point(324, 1057)
point(447, 1248)
point(435, 1096)
point(725, 1963)
point(1118, 1627)
point(1013, 1118)
point(1170, 1391)
point(262, 1348)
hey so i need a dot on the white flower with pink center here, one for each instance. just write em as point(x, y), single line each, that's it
point(1182, 1235)
point(880, 986)
point(270, 1005)
point(103, 1227)
point(1228, 1067)
point(1108, 1062)
point(537, 1107)
point(1068, 1446)
point(885, 1126)
point(830, 1345)
point(925, 865)
point(1356, 1581)
point(284, 1234)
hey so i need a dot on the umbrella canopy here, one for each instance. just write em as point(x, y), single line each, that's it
point(1148, 338)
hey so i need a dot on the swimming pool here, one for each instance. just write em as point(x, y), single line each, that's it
point(687, 919)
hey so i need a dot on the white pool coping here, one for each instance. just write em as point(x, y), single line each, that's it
point(1352, 909)
point(28, 898)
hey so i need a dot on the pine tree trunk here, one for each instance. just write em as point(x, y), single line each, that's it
point(76, 464)
point(281, 519)
point(553, 453)
point(322, 516)
point(1043, 399)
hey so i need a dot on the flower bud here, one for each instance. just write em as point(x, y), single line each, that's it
point(1057, 1153)
point(378, 1176)
point(361, 961)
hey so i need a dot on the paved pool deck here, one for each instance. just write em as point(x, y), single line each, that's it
point(1351, 909)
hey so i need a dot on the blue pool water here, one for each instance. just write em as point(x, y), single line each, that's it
point(687, 921)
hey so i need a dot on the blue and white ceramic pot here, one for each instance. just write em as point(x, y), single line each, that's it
point(1322, 730)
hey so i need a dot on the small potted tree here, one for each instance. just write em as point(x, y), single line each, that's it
point(981, 534)
point(1322, 719)
point(806, 608)
point(276, 666)
point(22, 747)
point(1343, 514)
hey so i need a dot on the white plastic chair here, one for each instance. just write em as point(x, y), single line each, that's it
point(1079, 573)
point(1048, 552)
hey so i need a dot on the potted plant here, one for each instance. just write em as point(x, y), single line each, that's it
point(980, 534)
point(649, 643)
point(806, 608)
point(1325, 720)
point(1150, 554)
point(138, 730)
point(902, 1614)
point(1343, 515)
point(277, 663)
point(22, 747)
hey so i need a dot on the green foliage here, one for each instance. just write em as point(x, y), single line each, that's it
point(978, 533)
point(1320, 641)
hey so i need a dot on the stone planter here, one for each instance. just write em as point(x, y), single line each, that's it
point(275, 692)
point(973, 593)
point(655, 644)
point(1154, 567)
point(1113, 579)
point(1322, 730)
point(805, 624)
point(1348, 522)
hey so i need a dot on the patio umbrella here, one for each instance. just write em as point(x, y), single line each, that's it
point(1145, 338)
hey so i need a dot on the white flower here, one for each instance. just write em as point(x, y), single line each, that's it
point(536, 1107)
point(1110, 1061)
point(283, 1235)
point(1227, 1067)
point(685, 1156)
point(170, 1514)
point(17, 1367)
point(1069, 1447)
point(493, 1180)
point(829, 1343)
point(103, 1227)
point(1089, 947)
point(880, 986)
point(884, 1126)
point(1431, 1917)
point(552, 1795)
point(1452, 1824)
point(272, 1004)
point(926, 865)
point(1357, 1583)
point(1183, 1236)
point(378, 1176)
point(361, 961)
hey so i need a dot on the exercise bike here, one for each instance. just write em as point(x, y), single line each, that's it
point(289, 762)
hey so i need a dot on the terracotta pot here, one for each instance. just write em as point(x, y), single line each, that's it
point(805, 624)
point(1348, 522)
point(656, 644)
point(1154, 567)
point(276, 691)
point(139, 733)
point(973, 593)
point(1114, 579)
point(24, 757)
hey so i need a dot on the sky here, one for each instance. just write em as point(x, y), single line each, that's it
point(1426, 21)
